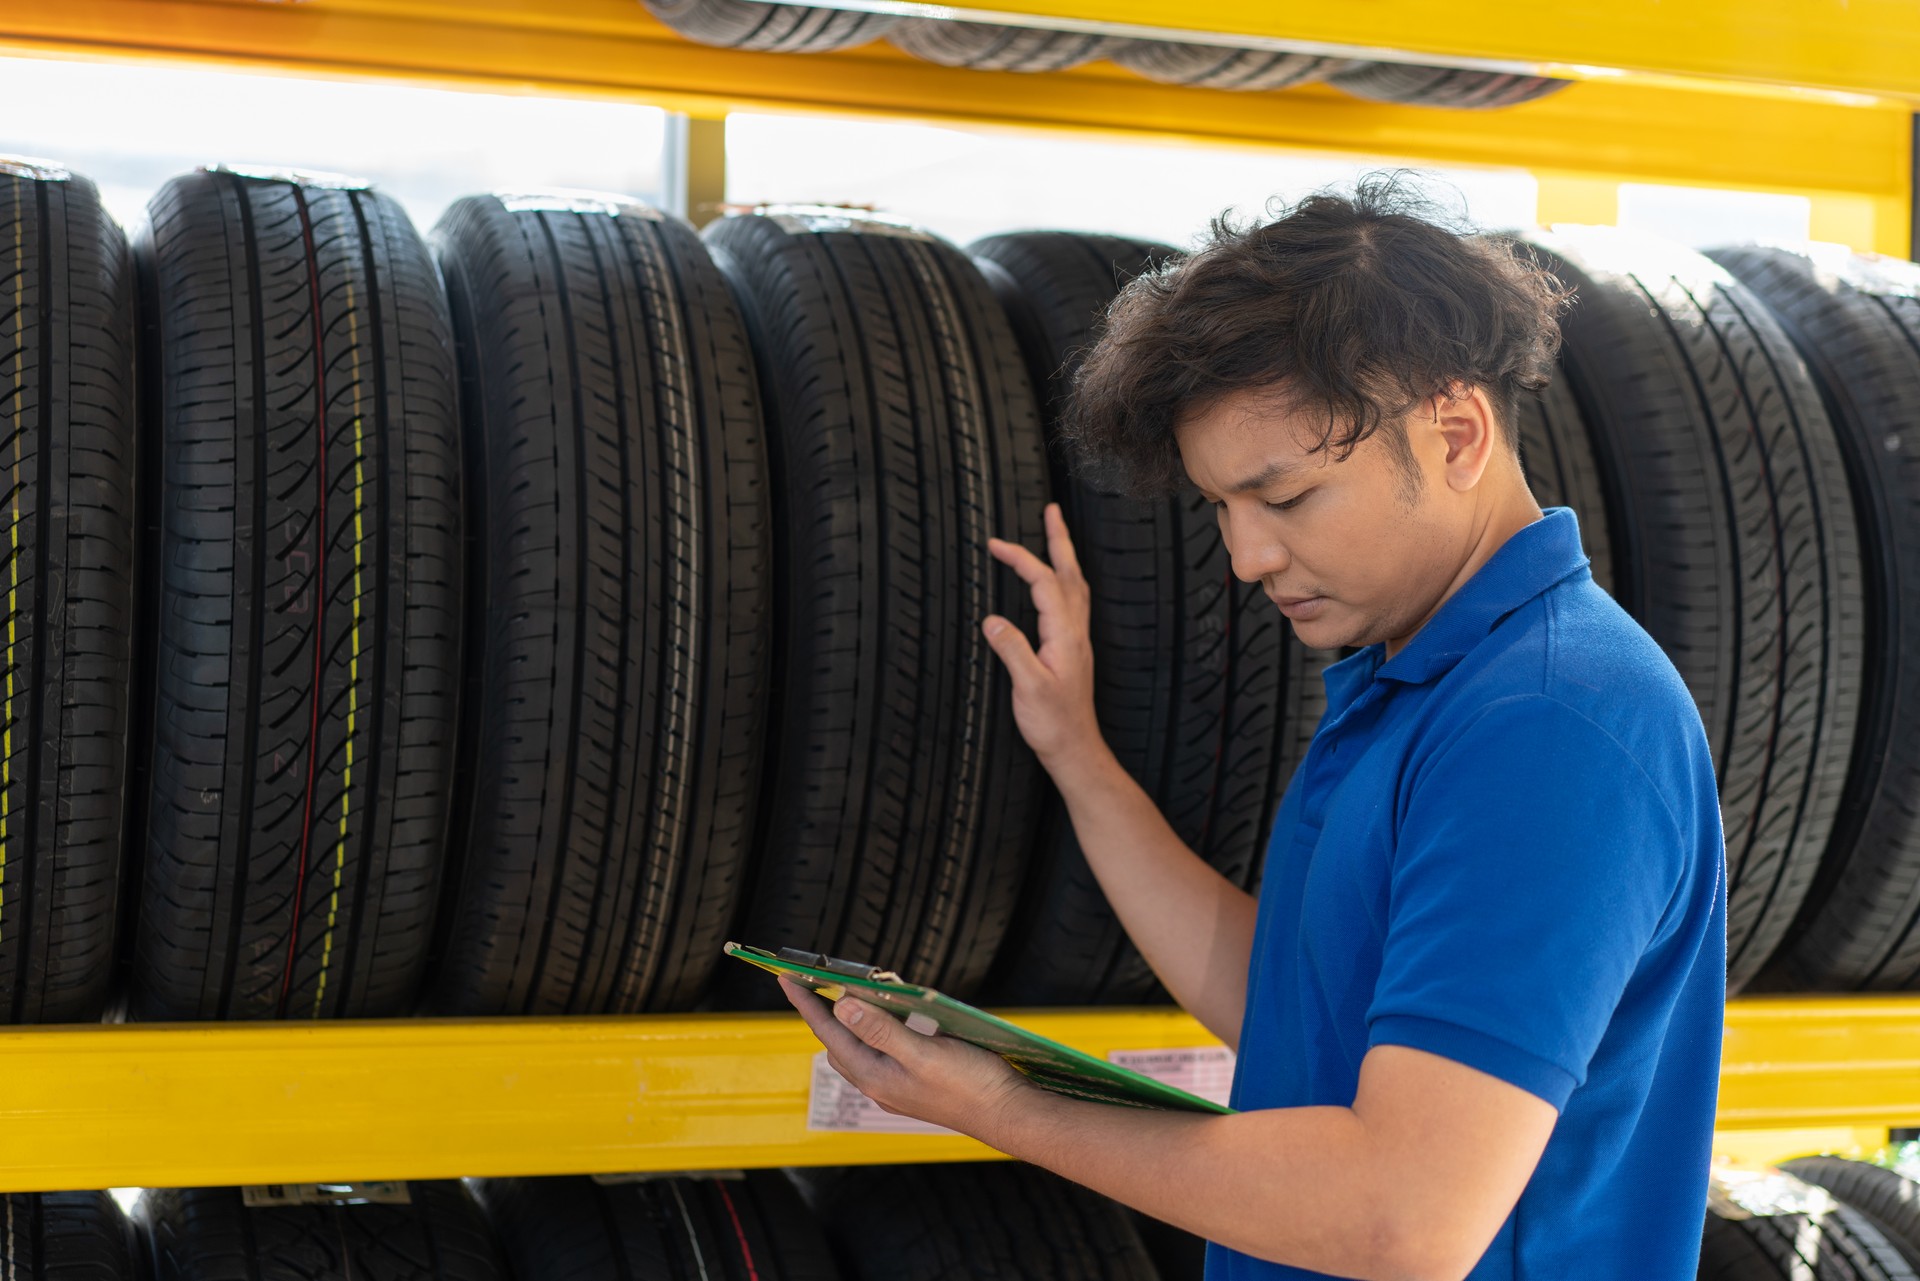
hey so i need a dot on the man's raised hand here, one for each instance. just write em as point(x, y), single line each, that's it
point(1052, 688)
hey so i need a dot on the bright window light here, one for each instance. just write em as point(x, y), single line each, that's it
point(966, 183)
point(130, 127)
point(1703, 217)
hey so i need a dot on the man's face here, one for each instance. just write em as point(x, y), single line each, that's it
point(1352, 552)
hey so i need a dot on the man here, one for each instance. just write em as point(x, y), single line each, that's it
point(1478, 1004)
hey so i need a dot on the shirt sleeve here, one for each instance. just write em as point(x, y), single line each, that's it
point(1534, 864)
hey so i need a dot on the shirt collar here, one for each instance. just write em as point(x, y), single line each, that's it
point(1527, 564)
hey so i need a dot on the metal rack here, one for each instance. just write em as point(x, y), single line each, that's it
point(1671, 92)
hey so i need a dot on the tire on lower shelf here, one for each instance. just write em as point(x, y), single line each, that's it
point(1197, 675)
point(1562, 470)
point(1830, 1245)
point(1208, 66)
point(1735, 540)
point(211, 1234)
point(1886, 1198)
point(995, 1219)
point(307, 571)
point(618, 600)
point(1451, 87)
point(901, 803)
point(988, 47)
point(67, 406)
point(65, 1236)
point(770, 28)
point(1857, 322)
point(690, 1228)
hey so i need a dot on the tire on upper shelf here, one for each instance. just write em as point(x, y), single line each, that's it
point(1735, 541)
point(1200, 684)
point(985, 46)
point(618, 600)
point(1005, 1220)
point(306, 566)
point(1886, 1198)
point(1451, 87)
point(1857, 321)
point(679, 1228)
point(1562, 470)
point(65, 1236)
point(67, 412)
point(212, 1234)
point(1208, 66)
point(900, 802)
point(1824, 1242)
point(770, 28)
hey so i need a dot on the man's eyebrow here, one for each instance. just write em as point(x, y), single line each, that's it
point(1275, 471)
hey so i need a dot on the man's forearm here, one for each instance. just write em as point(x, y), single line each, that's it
point(1299, 1186)
point(1193, 925)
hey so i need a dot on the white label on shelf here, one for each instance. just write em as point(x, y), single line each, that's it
point(1205, 1070)
point(833, 1105)
point(270, 1194)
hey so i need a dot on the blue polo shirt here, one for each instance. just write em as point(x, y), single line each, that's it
point(1504, 847)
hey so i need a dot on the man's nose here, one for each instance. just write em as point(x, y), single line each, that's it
point(1254, 559)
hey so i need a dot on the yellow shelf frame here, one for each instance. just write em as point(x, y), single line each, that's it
point(1851, 155)
point(174, 1105)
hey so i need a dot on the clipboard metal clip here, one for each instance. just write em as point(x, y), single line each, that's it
point(834, 965)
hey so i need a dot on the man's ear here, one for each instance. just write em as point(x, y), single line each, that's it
point(1467, 424)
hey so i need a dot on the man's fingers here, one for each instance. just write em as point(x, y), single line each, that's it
point(1014, 649)
point(840, 1041)
point(1031, 568)
point(877, 1029)
point(1060, 551)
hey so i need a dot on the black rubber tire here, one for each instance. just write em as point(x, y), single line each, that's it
point(1857, 322)
point(1208, 66)
point(743, 1228)
point(67, 412)
point(1838, 1245)
point(65, 1236)
point(1886, 1198)
point(983, 46)
point(986, 1221)
point(1735, 546)
point(308, 586)
point(211, 1234)
point(1195, 671)
point(1557, 454)
point(770, 28)
point(1449, 87)
point(618, 610)
point(901, 804)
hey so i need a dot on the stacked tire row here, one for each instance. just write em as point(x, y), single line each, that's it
point(787, 28)
point(940, 1223)
point(514, 616)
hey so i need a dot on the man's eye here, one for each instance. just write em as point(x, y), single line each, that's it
point(1290, 503)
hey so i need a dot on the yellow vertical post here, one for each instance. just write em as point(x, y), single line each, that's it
point(1577, 198)
point(696, 164)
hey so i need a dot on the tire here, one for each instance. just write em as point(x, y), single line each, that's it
point(67, 393)
point(1886, 1198)
point(1736, 545)
point(1856, 320)
point(65, 1236)
point(1557, 454)
point(998, 1220)
point(1207, 66)
point(1195, 672)
point(307, 576)
point(750, 1227)
point(1837, 1245)
point(989, 47)
point(901, 801)
point(618, 610)
point(1449, 87)
point(770, 28)
point(210, 1234)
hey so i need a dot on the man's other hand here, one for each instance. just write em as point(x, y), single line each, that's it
point(1053, 688)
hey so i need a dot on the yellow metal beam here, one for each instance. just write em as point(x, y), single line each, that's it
point(271, 1103)
point(1632, 130)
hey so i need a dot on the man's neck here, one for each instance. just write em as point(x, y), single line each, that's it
point(1492, 528)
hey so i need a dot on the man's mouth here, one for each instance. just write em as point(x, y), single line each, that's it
point(1298, 607)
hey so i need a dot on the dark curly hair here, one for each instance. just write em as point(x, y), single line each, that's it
point(1358, 307)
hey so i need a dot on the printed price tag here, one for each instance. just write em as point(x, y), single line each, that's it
point(833, 1105)
point(1203, 1070)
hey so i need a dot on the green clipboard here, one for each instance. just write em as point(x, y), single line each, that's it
point(1047, 1063)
